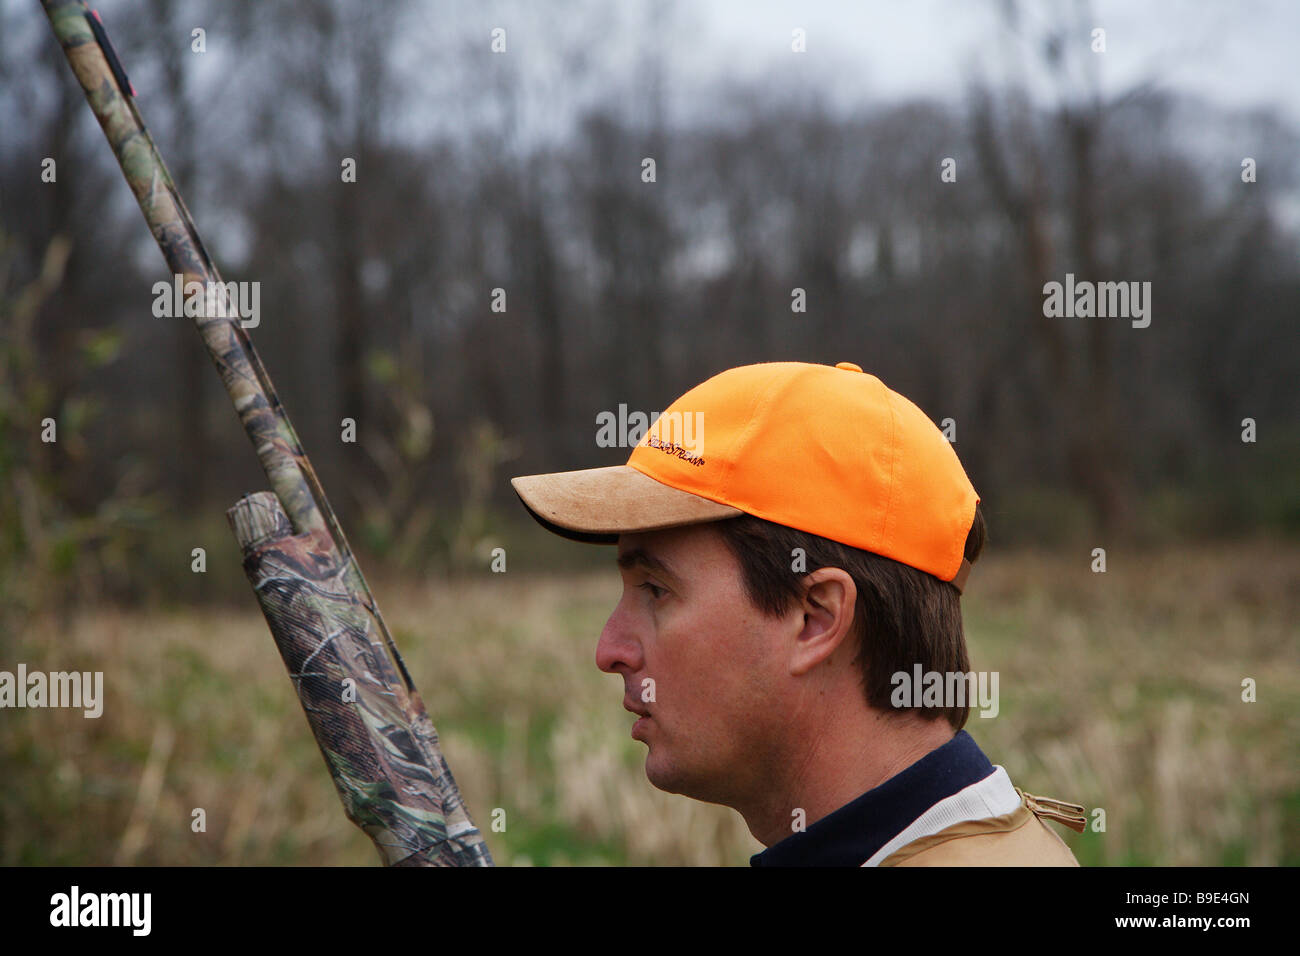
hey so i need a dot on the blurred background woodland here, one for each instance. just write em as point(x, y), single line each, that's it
point(522, 171)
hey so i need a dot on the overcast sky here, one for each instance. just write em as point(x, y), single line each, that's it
point(1236, 54)
point(576, 53)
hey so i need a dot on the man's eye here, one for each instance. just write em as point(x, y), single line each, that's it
point(655, 590)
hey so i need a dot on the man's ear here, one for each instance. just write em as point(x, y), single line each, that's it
point(828, 603)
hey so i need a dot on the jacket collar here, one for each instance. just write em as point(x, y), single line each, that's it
point(854, 832)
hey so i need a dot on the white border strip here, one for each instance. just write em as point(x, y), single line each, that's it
point(994, 796)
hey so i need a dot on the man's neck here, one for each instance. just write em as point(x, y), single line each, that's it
point(834, 767)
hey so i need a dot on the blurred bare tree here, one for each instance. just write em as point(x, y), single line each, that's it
point(479, 170)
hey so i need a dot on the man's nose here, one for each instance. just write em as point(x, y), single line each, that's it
point(618, 643)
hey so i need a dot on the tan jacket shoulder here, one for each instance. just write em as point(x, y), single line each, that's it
point(1019, 838)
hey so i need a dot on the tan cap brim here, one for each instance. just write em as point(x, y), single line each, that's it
point(599, 504)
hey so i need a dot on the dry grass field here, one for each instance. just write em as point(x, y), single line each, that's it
point(1121, 691)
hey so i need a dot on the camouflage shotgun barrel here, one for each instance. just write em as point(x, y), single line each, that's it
point(377, 739)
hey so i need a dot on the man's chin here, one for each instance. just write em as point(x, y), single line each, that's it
point(670, 778)
point(661, 777)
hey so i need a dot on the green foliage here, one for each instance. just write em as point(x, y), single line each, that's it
point(55, 549)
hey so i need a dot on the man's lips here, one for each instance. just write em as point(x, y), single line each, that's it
point(642, 715)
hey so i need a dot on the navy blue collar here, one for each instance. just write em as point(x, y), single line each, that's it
point(850, 835)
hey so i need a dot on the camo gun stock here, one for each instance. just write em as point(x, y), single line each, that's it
point(369, 720)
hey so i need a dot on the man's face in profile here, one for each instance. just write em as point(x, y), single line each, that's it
point(713, 723)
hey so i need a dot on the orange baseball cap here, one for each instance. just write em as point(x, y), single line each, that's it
point(826, 450)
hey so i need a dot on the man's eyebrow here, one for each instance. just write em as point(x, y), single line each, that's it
point(640, 557)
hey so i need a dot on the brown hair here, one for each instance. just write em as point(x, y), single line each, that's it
point(903, 616)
